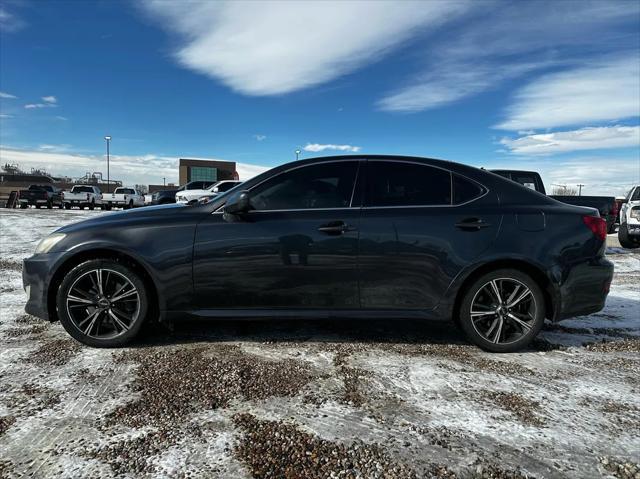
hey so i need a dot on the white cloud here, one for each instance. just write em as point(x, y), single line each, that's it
point(30, 106)
point(582, 139)
point(317, 147)
point(6, 95)
point(479, 54)
point(599, 92)
point(270, 48)
point(132, 169)
point(451, 82)
point(9, 22)
point(5, 116)
point(63, 118)
point(49, 102)
point(260, 137)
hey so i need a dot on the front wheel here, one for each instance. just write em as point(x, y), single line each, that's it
point(102, 303)
point(502, 311)
point(625, 240)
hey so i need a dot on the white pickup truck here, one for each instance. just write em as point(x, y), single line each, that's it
point(217, 188)
point(629, 231)
point(82, 196)
point(123, 197)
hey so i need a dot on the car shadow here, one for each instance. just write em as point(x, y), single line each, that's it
point(369, 331)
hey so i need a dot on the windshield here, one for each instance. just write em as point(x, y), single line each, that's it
point(81, 189)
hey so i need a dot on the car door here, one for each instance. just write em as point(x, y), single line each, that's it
point(419, 228)
point(295, 249)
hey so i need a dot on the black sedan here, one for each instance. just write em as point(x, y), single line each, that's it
point(346, 237)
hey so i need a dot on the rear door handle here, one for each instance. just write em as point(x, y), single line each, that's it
point(472, 224)
point(335, 228)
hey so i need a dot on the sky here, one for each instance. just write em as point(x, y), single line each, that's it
point(551, 86)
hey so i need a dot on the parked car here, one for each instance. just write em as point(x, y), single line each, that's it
point(82, 196)
point(164, 197)
point(123, 197)
point(606, 205)
point(349, 237)
point(629, 231)
point(193, 195)
point(40, 195)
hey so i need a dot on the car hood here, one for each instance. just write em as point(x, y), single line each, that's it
point(148, 213)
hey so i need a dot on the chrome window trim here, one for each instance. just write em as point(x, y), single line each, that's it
point(355, 183)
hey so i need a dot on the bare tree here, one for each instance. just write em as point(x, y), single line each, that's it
point(142, 189)
point(565, 191)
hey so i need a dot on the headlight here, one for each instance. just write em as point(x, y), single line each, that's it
point(49, 242)
point(635, 212)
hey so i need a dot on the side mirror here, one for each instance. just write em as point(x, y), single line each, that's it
point(238, 203)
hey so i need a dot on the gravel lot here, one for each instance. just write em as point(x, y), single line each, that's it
point(317, 399)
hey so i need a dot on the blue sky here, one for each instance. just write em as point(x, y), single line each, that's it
point(551, 86)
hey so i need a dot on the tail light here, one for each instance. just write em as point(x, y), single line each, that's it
point(597, 225)
point(87, 196)
point(615, 209)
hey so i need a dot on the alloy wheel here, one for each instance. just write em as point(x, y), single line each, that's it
point(503, 310)
point(103, 304)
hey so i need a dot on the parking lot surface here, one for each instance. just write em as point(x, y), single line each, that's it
point(315, 399)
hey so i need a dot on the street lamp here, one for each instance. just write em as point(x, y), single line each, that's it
point(108, 138)
point(297, 154)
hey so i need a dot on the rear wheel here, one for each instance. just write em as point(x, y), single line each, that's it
point(102, 303)
point(23, 206)
point(625, 240)
point(67, 206)
point(49, 204)
point(92, 205)
point(502, 311)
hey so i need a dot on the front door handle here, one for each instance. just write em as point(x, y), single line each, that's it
point(335, 228)
point(472, 224)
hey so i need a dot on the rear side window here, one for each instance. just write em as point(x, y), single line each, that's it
point(391, 183)
point(465, 190)
point(328, 185)
point(526, 180)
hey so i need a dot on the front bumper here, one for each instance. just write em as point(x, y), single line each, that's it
point(36, 277)
point(585, 289)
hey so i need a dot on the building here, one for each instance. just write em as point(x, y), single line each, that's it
point(206, 170)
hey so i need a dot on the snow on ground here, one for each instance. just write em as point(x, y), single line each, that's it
point(291, 399)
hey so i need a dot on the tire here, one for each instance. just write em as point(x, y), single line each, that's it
point(92, 205)
point(625, 240)
point(89, 320)
point(61, 205)
point(49, 205)
point(501, 330)
point(37, 207)
point(23, 206)
point(67, 206)
point(130, 205)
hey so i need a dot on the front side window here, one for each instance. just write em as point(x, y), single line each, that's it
point(392, 183)
point(328, 185)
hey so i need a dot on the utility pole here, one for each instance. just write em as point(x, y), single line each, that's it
point(164, 181)
point(298, 154)
point(108, 138)
point(580, 185)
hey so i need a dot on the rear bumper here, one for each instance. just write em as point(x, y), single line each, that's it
point(585, 288)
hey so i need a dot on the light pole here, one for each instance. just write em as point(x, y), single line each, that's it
point(164, 181)
point(580, 185)
point(298, 154)
point(108, 138)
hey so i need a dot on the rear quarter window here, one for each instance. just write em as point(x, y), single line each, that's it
point(465, 190)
